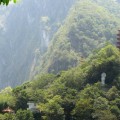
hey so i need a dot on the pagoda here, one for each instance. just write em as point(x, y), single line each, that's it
point(8, 110)
point(118, 40)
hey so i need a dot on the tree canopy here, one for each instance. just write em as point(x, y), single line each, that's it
point(74, 94)
point(87, 27)
point(6, 2)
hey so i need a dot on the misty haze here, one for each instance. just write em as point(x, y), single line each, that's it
point(59, 59)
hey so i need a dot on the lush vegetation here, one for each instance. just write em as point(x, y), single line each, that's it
point(89, 25)
point(23, 44)
point(6, 2)
point(74, 94)
point(77, 93)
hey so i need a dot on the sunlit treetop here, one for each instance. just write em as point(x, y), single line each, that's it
point(6, 2)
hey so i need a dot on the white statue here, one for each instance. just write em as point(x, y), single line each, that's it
point(103, 76)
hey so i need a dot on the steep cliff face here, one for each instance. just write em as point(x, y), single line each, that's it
point(89, 25)
point(26, 29)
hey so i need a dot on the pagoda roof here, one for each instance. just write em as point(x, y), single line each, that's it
point(8, 110)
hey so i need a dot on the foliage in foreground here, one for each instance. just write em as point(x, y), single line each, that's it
point(6, 2)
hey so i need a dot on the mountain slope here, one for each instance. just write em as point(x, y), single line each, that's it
point(75, 94)
point(26, 29)
point(88, 26)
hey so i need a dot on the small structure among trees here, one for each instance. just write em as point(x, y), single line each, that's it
point(32, 107)
point(8, 110)
point(36, 113)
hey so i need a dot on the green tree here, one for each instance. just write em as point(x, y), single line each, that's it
point(24, 115)
point(104, 115)
point(9, 116)
point(83, 109)
point(2, 117)
point(7, 99)
point(6, 2)
point(116, 111)
point(53, 109)
point(21, 98)
point(113, 93)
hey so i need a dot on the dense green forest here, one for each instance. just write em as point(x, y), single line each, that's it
point(76, 94)
point(37, 37)
point(64, 56)
point(89, 25)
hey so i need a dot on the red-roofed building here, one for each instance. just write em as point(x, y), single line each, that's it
point(8, 110)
